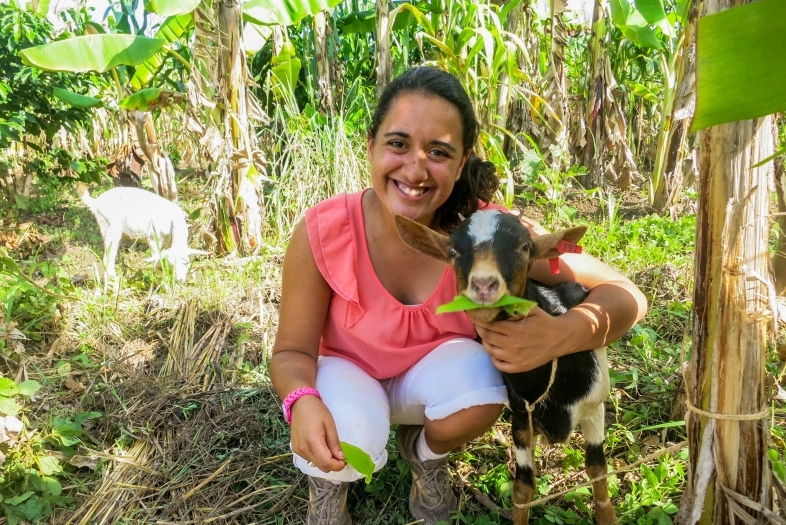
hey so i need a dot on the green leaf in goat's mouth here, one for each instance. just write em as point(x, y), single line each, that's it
point(512, 305)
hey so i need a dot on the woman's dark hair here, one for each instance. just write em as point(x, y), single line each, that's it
point(478, 179)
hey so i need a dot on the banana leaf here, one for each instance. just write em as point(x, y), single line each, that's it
point(651, 10)
point(168, 8)
point(365, 21)
point(741, 64)
point(285, 73)
point(633, 24)
point(146, 99)
point(42, 7)
point(170, 31)
point(75, 99)
point(255, 36)
point(272, 12)
point(91, 53)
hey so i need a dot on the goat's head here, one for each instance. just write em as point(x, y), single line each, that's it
point(491, 253)
point(178, 259)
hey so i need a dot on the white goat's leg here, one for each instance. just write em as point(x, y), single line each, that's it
point(157, 242)
point(595, 462)
point(112, 237)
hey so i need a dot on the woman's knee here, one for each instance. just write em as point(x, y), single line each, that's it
point(465, 424)
point(358, 403)
point(456, 375)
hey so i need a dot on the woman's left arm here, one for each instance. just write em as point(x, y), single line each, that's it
point(612, 307)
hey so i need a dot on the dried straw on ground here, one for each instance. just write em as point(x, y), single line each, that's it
point(196, 447)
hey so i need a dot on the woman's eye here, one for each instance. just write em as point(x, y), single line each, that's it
point(452, 252)
point(396, 143)
point(525, 246)
point(439, 153)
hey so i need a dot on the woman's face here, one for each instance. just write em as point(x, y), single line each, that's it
point(417, 156)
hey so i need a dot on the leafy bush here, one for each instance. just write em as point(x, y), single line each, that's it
point(27, 304)
point(27, 105)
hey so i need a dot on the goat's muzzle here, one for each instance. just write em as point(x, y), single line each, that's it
point(485, 290)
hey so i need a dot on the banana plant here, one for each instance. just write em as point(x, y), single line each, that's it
point(40, 7)
point(648, 25)
point(107, 53)
point(260, 17)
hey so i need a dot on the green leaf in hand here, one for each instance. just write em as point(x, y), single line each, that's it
point(358, 459)
point(512, 305)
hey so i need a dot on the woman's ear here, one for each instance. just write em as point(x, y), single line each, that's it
point(369, 146)
point(463, 162)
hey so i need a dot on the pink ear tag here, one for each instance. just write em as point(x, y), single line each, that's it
point(568, 247)
point(562, 247)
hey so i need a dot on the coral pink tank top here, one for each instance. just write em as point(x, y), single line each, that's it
point(365, 323)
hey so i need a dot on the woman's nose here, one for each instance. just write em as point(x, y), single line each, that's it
point(415, 166)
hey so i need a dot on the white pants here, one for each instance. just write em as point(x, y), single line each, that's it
point(456, 375)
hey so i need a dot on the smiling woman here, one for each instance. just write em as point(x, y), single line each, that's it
point(416, 157)
point(360, 346)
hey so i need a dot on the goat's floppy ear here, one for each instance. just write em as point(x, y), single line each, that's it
point(546, 245)
point(423, 239)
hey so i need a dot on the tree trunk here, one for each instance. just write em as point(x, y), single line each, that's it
point(220, 108)
point(240, 197)
point(383, 45)
point(727, 432)
point(779, 258)
point(602, 129)
point(555, 93)
point(324, 85)
point(162, 173)
point(278, 40)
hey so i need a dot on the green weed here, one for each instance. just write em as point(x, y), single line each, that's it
point(32, 467)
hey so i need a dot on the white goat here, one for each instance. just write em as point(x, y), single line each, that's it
point(138, 214)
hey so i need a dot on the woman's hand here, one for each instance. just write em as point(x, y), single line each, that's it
point(314, 435)
point(521, 344)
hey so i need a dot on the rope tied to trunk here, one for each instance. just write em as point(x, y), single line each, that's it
point(728, 417)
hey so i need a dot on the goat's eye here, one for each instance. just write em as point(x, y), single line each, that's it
point(525, 246)
point(452, 252)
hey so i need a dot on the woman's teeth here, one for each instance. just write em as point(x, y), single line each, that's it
point(411, 191)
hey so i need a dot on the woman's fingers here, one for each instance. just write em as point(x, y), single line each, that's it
point(333, 444)
point(502, 366)
point(323, 457)
point(519, 345)
point(315, 438)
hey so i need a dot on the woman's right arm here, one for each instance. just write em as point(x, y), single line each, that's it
point(305, 297)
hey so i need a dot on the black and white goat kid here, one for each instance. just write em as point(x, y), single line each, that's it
point(492, 253)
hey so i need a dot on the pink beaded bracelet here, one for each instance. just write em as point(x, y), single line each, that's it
point(294, 396)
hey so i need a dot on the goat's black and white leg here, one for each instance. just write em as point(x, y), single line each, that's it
point(595, 462)
point(524, 485)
